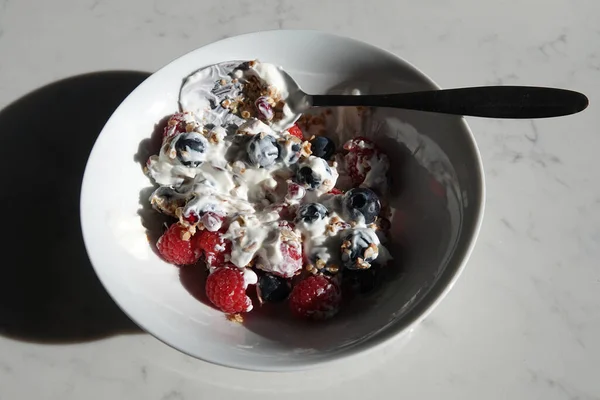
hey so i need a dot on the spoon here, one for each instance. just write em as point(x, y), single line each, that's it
point(200, 94)
point(518, 102)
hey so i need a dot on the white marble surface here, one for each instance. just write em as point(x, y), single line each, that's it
point(523, 322)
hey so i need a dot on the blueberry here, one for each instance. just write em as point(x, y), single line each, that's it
point(289, 152)
point(191, 149)
point(363, 281)
point(262, 150)
point(362, 202)
point(295, 153)
point(313, 172)
point(311, 212)
point(272, 288)
point(359, 248)
point(322, 147)
point(307, 177)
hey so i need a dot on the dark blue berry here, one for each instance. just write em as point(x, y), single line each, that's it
point(363, 281)
point(362, 203)
point(191, 149)
point(311, 212)
point(262, 150)
point(322, 147)
point(307, 177)
point(289, 153)
point(359, 249)
point(295, 154)
point(272, 288)
point(312, 172)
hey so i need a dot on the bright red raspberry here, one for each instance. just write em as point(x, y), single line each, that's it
point(191, 218)
point(174, 249)
point(316, 297)
point(296, 131)
point(335, 191)
point(214, 247)
point(175, 125)
point(226, 289)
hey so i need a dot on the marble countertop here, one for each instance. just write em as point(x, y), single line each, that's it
point(523, 321)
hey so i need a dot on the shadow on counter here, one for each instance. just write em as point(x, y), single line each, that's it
point(49, 291)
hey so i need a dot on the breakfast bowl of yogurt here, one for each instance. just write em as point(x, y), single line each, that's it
point(245, 233)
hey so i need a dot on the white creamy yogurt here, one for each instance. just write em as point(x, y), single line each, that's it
point(272, 75)
point(205, 91)
point(220, 181)
point(376, 177)
point(197, 95)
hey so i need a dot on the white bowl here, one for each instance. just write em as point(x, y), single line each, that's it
point(438, 232)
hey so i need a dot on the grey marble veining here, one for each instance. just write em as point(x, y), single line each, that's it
point(522, 322)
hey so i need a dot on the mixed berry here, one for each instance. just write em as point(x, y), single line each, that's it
point(264, 210)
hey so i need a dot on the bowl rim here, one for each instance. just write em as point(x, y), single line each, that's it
point(382, 337)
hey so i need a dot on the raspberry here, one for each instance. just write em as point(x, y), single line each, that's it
point(215, 248)
point(335, 191)
point(356, 168)
point(191, 218)
point(285, 211)
point(296, 131)
point(174, 249)
point(295, 192)
point(290, 247)
point(226, 289)
point(211, 221)
point(360, 152)
point(291, 251)
point(316, 297)
point(175, 125)
point(292, 254)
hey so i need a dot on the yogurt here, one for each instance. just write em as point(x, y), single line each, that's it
point(227, 164)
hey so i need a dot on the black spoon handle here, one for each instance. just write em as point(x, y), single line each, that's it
point(485, 101)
